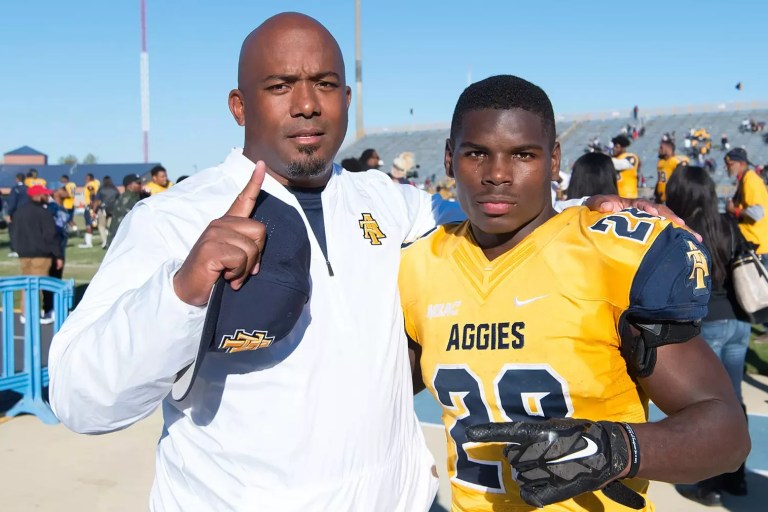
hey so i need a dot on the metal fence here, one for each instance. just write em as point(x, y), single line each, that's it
point(30, 377)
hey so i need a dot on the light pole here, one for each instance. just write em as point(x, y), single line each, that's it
point(144, 70)
point(359, 132)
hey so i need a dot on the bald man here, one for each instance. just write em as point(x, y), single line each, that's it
point(320, 420)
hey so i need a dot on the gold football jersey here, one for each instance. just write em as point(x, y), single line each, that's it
point(665, 168)
point(627, 179)
point(534, 334)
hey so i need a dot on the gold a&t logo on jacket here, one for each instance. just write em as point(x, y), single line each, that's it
point(700, 269)
point(371, 229)
point(242, 340)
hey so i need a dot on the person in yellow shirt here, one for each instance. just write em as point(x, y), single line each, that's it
point(559, 328)
point(749, 204)
point(32, 179)
point(68, 201)
point(668, 162)
point(90, 190)
point(159, 182)
point(628, 175)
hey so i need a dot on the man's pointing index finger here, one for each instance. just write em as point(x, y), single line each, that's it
point(246, 200)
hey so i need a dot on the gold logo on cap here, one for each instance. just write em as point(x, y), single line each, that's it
point(371, 230)
point(699, 269)
point(242, 340)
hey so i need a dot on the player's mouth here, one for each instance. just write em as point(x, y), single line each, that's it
point(495, 205)
point(307, 137)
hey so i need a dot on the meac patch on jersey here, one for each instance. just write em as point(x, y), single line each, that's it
point(535, 333)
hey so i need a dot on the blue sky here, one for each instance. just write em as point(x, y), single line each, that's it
point(70, 70)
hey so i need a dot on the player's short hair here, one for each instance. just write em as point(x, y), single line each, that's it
point(89, 175)
point(669, 143)
point(156, 170)
point(20, 176)
point(505, 92)
point(65, 177)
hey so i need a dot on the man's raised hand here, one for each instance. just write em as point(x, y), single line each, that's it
point(230, 247)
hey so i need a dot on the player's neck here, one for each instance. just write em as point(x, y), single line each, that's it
point(494, 245)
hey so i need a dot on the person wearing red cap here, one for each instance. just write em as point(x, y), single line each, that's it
point(35, 238)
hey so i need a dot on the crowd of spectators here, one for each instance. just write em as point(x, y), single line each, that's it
point(41, 218)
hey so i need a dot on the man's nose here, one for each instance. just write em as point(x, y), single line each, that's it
point(304, 102)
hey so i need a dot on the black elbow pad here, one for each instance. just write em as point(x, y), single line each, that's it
point(639, 350)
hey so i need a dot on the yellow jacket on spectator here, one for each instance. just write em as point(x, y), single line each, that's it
point(30, 182)
point(153, 188)
point(751, 191)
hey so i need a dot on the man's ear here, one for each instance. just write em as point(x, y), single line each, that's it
point(237, 106)
point(556, 154)
point(448, 158)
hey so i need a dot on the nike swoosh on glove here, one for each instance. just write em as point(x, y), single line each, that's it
point(560, 458)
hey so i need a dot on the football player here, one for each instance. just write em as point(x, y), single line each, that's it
point(668, 162)
point(543, 336)
point(627, 177)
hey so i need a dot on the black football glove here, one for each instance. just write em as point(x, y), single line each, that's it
point(560, 458)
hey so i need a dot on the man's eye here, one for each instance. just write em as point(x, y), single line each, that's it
point(524, 156)
point(475, 154)
point(327, 85)
point(278, 87)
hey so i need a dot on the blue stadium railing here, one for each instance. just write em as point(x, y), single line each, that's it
point(33, 377)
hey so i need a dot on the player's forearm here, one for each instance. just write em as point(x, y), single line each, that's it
point(703, 440)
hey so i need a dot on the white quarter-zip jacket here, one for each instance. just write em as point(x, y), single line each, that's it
point(325, 424)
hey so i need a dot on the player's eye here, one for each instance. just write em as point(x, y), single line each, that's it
point(476, 154)
point(523, 155)
point(323, 84)
point(278, 88)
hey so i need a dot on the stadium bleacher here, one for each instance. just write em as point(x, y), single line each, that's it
point(428, 145)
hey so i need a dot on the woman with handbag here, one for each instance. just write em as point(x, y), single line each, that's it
point(691, 194)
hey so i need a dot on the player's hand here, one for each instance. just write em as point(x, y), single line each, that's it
point(730, 207)
point(59, 263)
point(609, 203)
point(560, 458)
point(230, 246)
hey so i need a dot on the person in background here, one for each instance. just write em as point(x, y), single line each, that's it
point(90, 190)
point(17, 198)
point(124, 204)
point(627, 175)
point(32, 179)
point(61, 218)
point(593, 173)
point(36, 240)
point(726, 328)
point(103, 205)
point(668, 162)
point(68, 202)
point(370, 159)
point(159, 182)
point(750, 202)
point(352, 165)
point(401, 165)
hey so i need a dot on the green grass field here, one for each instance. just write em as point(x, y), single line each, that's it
point(82, 264)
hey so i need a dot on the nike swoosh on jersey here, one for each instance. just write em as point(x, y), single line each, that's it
point(585, 452)
point(519, 302)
